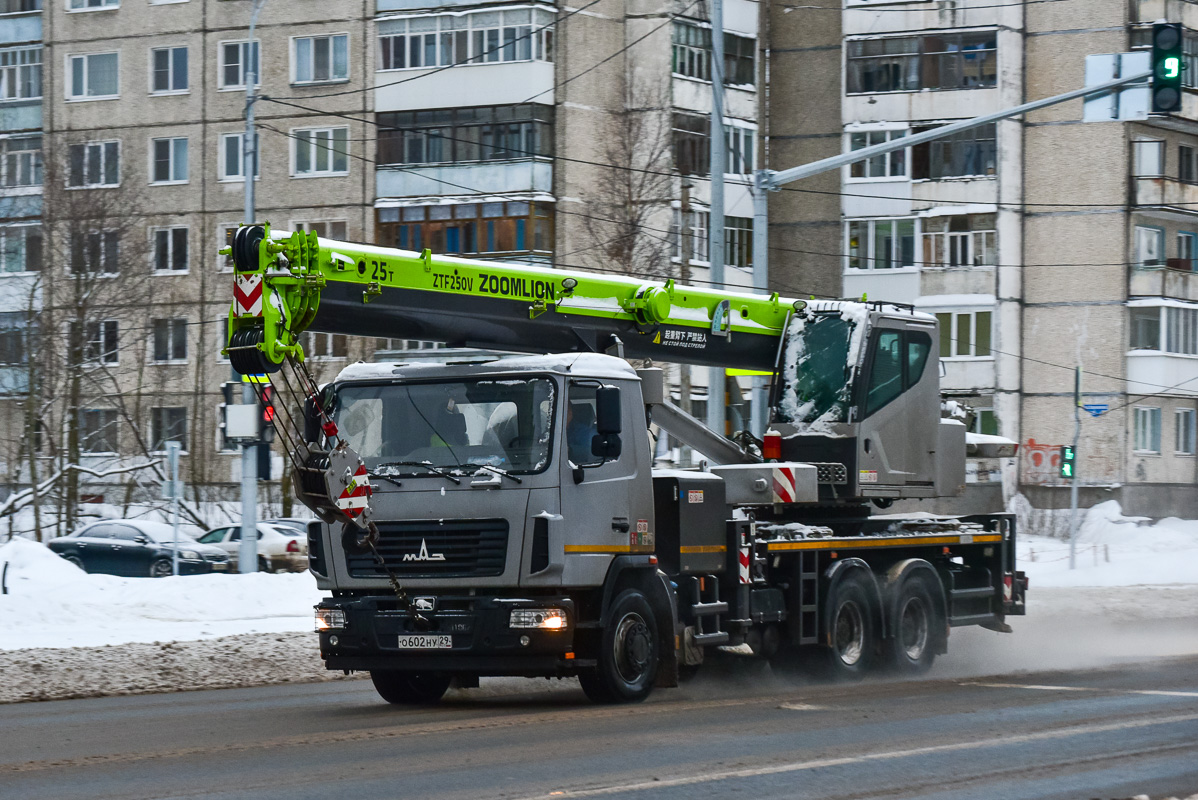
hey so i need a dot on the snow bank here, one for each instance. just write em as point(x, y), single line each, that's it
point(51, 603)
point(1114, 550)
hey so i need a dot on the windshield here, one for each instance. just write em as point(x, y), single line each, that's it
point(817, 369)
point(455, 426)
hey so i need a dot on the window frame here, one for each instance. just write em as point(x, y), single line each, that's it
point(221, 163)
point(868, 133)
point(175, 327)
point(103, 252)
point(172, 155)
point(462, 43)
point(293, 50)
point(171, 71)
point(113, 436)
point(923, 59)
point(1191, 240)
point(69, 77)
point(170, 244)
point(1149, 436)
point(1160, 260)
point(298, 141)
point(102, 5)
point(102, 144)
point(1189, 428)
point(36, 166)
point(25, 227)
point(953, 331)
point(871, 238)
point(157, 445)
point(98, 350)
point(256, 50)
point(16, 70)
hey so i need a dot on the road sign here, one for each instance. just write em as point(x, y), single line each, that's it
point(1129, 103)
point(1095, 409)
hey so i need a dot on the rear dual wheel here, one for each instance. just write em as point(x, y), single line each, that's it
point(916, 622)
point(852, 634)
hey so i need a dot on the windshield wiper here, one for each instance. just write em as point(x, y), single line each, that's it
point(498, 471)
point(382, 477)
point(426, 464)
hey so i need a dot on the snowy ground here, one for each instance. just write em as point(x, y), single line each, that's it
point(64, 633)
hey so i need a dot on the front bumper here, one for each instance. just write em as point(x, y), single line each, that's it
point(482, 641)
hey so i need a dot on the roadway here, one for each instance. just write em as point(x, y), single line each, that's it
point(740, 729)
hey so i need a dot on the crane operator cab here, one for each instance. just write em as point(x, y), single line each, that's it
point(859, 394)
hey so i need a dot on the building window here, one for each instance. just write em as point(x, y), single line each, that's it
point(96, 252)
point(87, 5)
point(1148, 158)
point(168, 70)
point(102, 343)
point(880, 243)
point(98, 430)
point(332, 229)
point(696, 229)
point(224, 263)
point(13, 332)
point(512, 227)
point(94, 164)
point(325, 345)
point(934, 61)
point(738, 242)
point(169, 160)
point(320, 59)
point(985, 421)
point(1145, 328)
point(320, 151)
point(170, 340)
point(1186, 171)
point(692, 144)
point(231, 161)
point(19, 6)
point(888, 166)
point(21, 161)
point(966, 154)
point(20, 248)
point(237, 59)
point(965, 334)
point(487, 133)
point(692, 54)
point(1184, 419)
point(739, 149)
point(167, 425)
point(20, 73)
point(1181, 330)
point(170, 249)
point(1185, 253)
point(1147, 430)
point(480, 37)
point(94, 76)
point(1150, 247)
point(960, 241)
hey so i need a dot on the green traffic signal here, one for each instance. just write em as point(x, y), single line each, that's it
point(1067, 458)
point(1167, 67)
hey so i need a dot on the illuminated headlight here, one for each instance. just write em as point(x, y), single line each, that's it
point(330, 619)
point(549, 619)
point(190, 555)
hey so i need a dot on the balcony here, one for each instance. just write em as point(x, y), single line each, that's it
point(1160, 192)
point(1153, 372)
point(483, 177)
point(1175, 280)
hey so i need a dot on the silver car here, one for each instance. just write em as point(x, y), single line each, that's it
point(280, 548)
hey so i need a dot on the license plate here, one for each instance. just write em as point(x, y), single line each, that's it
point(219, 567)
point(422, 641)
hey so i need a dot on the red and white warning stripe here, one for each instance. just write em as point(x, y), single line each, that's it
point(743, 557)
point(247, 295)
point(784, 485)
point(356, 496)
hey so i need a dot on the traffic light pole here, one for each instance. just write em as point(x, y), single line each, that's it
point(1077, 434)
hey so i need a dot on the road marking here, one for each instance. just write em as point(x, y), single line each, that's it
point(1043, 688)
point(890, 755)
point(802, 707)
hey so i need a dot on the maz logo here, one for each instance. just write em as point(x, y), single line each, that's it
point(424, 555)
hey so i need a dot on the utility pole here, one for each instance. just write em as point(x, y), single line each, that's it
point(684, 274)
point(715, 227)
point(172, 457)
point(248, 552)
point(1077, 433)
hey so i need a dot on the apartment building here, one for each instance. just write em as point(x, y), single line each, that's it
point(1039, 244)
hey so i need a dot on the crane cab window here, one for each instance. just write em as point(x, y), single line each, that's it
point(897, 364)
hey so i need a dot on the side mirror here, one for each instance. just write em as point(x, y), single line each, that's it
point(140, 539)
point(607, 410)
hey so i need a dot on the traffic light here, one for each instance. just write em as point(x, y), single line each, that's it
point(1167, 67)
point(264, 453)
point(226, 391)
point(266, 405)
point(1067, 459)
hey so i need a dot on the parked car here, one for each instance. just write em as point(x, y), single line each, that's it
point(137, 548)
point(280, 548)
point(298, 524)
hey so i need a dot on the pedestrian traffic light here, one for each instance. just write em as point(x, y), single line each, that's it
point(1067, 456)
point(1167, 67)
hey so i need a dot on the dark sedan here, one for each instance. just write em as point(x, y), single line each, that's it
point(137, 548)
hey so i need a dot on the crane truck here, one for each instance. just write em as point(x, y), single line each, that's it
point(501, 515)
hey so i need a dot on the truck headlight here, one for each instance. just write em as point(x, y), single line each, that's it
point(330, 619)
point(548, 619)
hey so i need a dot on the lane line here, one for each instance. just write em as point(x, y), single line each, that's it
point(1044, 688)
point(891, 755)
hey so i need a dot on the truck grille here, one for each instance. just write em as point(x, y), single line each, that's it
point(470, 549)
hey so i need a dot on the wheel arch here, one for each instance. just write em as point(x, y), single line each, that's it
point(641, 573)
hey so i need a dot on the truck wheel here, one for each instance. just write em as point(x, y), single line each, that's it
point(915, 621)
point(409, 688)
point(852, 638)
point(162, 568)
point(628, 653)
